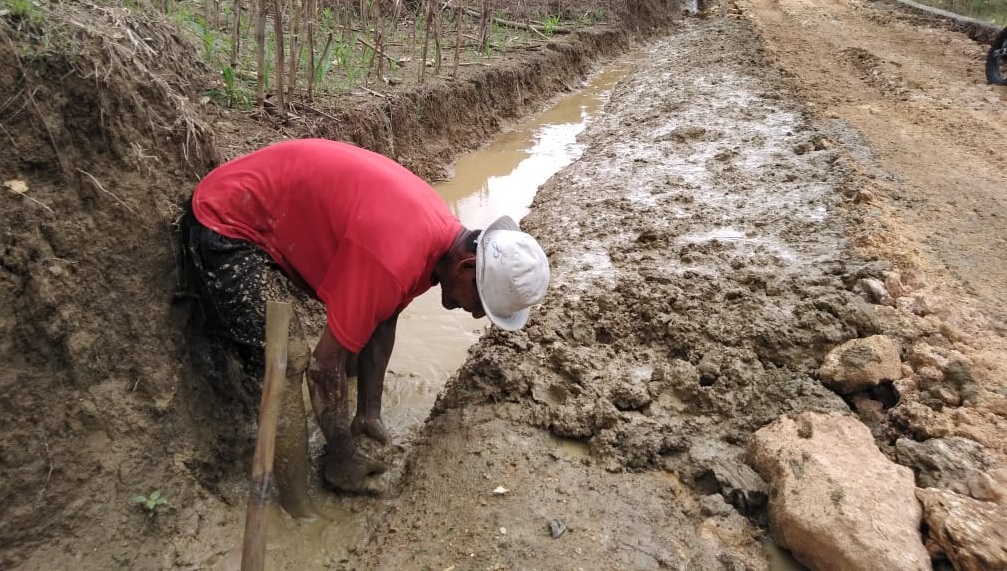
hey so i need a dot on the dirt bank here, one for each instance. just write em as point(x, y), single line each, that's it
point(102, 110)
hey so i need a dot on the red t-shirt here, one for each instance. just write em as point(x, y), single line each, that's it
point(356, 227)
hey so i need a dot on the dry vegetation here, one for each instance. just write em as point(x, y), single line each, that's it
point(282, 55)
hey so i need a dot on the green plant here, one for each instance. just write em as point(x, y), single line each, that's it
point(211, 44)
point(25, 10)
point(550, 23)
point(151, 502)
point(992, 10)
point(182, 15)
point(233, 93)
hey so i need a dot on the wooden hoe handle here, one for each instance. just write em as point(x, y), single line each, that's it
point(253, 553)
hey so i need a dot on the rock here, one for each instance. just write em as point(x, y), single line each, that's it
point(714, 505)
point(874, 291)
point(893, 283)
point(835, 500)
point(721, 473)
point(955, 464)
point(556, 528)
point(859, 364)
point(875, 269)
point(972, 534)
point(864, 197)
point(630, 395)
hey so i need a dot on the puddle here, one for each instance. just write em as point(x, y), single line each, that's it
point(718, 234)
point(431, 343)
point(570, 449)
point(780, 559)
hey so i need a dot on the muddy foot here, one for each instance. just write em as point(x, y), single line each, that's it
point(350, 475)
point(372, 427)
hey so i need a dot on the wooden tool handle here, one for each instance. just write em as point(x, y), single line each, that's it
point(253, 553)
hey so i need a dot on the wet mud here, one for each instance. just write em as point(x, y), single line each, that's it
point(718, 237)
point(699, 271)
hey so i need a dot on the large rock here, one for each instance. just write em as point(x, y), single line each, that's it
point(972, 534)
point(956, 464)
point(835, 500)
point(859, 364)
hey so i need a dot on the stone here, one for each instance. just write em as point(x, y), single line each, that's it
point(893, 283)
point(954, 464)
point(835, 501)
point(859, 364)
point(722, 471)
point(972, 533)
point(874, 291)
point(630, 395)
point(714, 505)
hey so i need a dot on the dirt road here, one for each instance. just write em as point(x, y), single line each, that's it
point(705, 248)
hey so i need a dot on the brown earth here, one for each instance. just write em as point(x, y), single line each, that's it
point(757, 164)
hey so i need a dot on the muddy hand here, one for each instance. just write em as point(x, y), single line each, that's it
point(372, 427)
point(350, 474)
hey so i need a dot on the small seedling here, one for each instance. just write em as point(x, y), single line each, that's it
point(549, 24)
point(151, 502)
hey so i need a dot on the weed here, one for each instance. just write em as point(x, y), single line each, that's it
point(550, 23)
point(233, 94)
point(27, 11)
point(151, 502)
point(591, 17)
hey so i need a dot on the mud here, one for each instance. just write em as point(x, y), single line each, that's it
point(702, 267)
point(698, 279)
point(500, 178)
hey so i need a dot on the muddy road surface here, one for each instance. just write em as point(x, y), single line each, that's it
point(758, 169)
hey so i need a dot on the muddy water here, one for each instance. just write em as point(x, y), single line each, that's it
point(501, 178)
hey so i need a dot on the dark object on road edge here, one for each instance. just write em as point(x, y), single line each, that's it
point(997, 59)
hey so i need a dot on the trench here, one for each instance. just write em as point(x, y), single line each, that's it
point(498, 179)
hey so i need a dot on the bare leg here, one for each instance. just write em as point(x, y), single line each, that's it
point(291, 463)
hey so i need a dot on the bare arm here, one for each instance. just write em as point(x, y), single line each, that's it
point(345, 467)
point(327, 385)
point(373, 363)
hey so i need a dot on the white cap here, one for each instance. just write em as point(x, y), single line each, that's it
point(512, 273)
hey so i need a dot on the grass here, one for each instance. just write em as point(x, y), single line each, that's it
point(25, 11)
point(234, 93)
point(549, 24)
point(991, 10)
